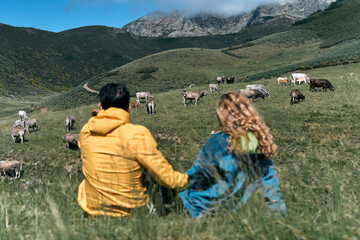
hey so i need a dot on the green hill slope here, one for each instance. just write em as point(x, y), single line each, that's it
point(317, 165)
point(33, 61)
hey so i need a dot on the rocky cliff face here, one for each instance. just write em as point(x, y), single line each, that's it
point(177, 24)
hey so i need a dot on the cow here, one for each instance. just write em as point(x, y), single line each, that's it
point(134, 105)
point(296, 96)
point(32, 123)
point(352, 74)
point(19, 124)
point(71, 140)
point(69, 122)
point(283, 80)
point(230, 80)
point(260, 88)
point(220, 80)
point(150, 106)
point(214, 87)
point(44, 110)
point(22, 115)
point(193, 95)
point(18, 133)
point(296, 76)
point(252, 93)
point(13, 168)
point(324, 83)
point(143, 95)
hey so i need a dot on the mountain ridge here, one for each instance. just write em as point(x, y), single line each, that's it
point(178, 24)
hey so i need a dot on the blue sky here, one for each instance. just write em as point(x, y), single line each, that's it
point(59, 15)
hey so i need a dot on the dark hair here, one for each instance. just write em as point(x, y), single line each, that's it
point(114, 95)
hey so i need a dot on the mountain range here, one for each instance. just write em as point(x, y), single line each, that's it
point(178, 24)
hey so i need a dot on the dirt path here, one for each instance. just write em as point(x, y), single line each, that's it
point(89, 89)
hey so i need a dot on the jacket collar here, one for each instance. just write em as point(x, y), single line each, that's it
point(108, 120)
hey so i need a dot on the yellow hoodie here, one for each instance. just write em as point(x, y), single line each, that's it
point(114, 152)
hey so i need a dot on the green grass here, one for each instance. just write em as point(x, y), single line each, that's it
point(11, 105)
point(317, 164)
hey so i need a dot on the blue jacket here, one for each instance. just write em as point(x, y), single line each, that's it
point(218, 178)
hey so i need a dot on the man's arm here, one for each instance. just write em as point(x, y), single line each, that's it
point(154, 162)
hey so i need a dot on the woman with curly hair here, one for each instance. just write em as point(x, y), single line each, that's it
point(234, 163)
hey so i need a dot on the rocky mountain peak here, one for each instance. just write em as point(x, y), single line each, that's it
point(178, 24)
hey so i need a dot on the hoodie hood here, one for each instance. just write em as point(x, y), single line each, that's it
point(108, 120)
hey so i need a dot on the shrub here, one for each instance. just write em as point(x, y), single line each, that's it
point(147, 70)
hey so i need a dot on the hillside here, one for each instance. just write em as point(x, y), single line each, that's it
point(317, 165)
point(34, 62)
point(299, 48)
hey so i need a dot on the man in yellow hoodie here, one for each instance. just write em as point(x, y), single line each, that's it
point(114, 154)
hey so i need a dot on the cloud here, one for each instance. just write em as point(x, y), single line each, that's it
point(221, 7)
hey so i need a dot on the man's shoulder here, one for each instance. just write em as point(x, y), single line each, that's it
point(136, 129)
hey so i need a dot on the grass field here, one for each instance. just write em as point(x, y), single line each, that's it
point(317, 164)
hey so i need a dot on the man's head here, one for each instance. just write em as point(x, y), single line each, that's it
point(114, 95)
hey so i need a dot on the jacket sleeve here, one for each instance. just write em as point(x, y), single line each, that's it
point(271, 191)
point(154, 162)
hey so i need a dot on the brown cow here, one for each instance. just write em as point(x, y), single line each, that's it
point(134, 105)
point(296, 96)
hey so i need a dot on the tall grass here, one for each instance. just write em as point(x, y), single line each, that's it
point(317, 166)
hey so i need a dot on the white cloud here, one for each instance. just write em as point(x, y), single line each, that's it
point(221, 7)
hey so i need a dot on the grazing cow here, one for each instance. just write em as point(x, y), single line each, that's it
point(150, 106)
point(95, 112)
point(191, 85)
point(214, 87)
point(220, 80)
point(296, 76)
point(252, 93)
point(283, 80)
point(71, 140)
point(296, 96)
point(134, 105)
point(22, 115)
point(18, 133)
point(352, 74)
point(143, 95)
point(260, 88)
point(193, 95)
point(44, 110)
point(324, 83)
point(69, 122)
point(32, 123)
point(19, 124)
point(300, 80)
point(13, 168)
point(230, 80)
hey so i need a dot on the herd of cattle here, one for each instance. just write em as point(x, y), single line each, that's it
point(252, 91)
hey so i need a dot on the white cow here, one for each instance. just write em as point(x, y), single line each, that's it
point(260, 88)
point(22, 115)
point(214, 87)
point(296, 76)
point(143, 95)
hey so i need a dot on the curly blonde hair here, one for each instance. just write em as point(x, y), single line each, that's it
point(237, 117)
